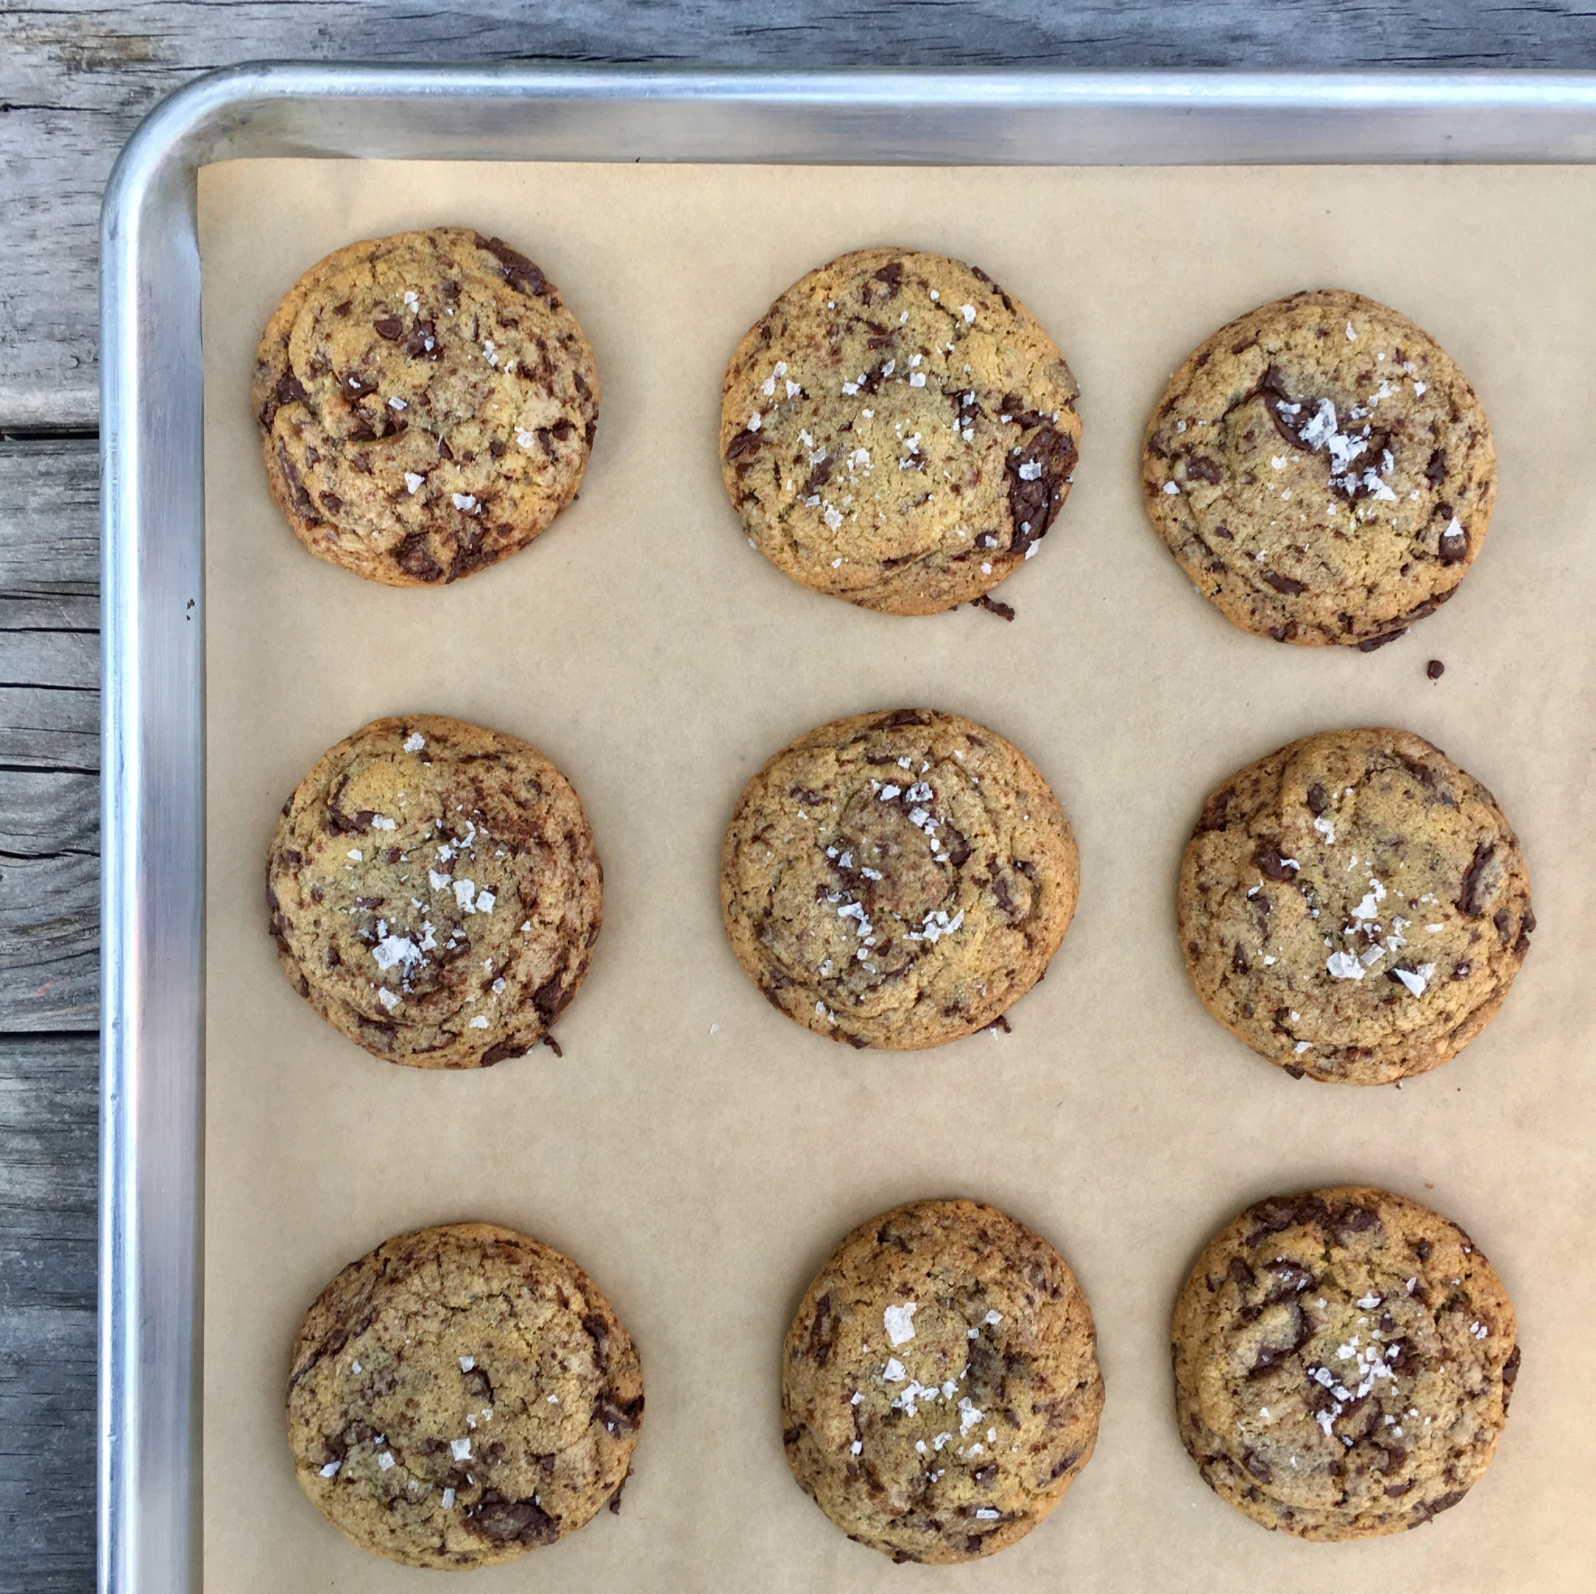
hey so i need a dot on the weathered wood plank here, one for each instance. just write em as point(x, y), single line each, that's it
point(44, 729)
point(75, 78)
point(49, 536)
point(47, 812)
point(63, 660)
point(48, 1122)
point(49, 736)
point(50, 936)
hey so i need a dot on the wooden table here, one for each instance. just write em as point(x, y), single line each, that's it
point(74, 81)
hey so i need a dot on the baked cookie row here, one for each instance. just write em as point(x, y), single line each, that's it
point(896, 431)
point(1354, 906)
point(1343, 1364)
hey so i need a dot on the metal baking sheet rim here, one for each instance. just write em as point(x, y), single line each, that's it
point(153, 719)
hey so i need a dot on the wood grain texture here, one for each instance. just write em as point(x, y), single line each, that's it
point(75, 79)
point(48, 1107)
point(49, 736)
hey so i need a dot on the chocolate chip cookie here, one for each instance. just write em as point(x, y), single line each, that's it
point(1344, 1361)
point(460, 1396)
point(434, 892)
point(898, 431)
point(1321, 470)
point(939, 1388)
point(427, 404)
point(1354, 906)
point(897, 879)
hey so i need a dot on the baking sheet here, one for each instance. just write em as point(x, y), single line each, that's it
point(699, 1155)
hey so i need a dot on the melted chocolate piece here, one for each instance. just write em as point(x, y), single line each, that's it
point(504, 1521)
point(519, 272)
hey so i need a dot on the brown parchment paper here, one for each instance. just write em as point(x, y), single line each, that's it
point(698, 1154)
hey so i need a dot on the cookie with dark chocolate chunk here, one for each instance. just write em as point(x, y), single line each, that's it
point(1344, 1361)
point(939, 1384)
point(1354, 906)
point(427, 404)
point(460, 1396)
point(897, 879)
point(434, 893)
point(1321, 470)
point(898, 431)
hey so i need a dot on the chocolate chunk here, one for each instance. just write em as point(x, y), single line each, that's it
point(1203, 469)
point(414, 556)
point(1238, 959)
point(617, 1418)
point(1454, 544)
point(1256, 1465)
point(1004, 611)
point(1242, 1273)
point(389, 327)
point(298, 497)
point(423, 334)
point(1510, 1376)
point(1374, 642)
point(510, 1521)
point(1283, 584)
point(615, 1499)
point(1038, 481)
point(519, 272)
point(1423, 1249)
point(1435, 669)
point(791, 1436)
point(550, 998)
point(1435, 470)
point(1268, 1356)
point(1354, 1220)
point(1433, 1508)
point(745, 442)
point(819, 475)
point(1471, 896)
point(500, 1050)
point(287, 391)
point(1273, 866)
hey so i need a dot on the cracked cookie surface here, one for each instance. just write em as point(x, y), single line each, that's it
point(434, 892)
point(940, 1389)
point(898, 431)
point(897, 879)
point(1344, 1361)
point(427, 404)
point(460, 1396)
point(1354, 906)
point(1321, 470)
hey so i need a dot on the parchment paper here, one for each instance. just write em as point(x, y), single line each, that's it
point(699, 1155)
